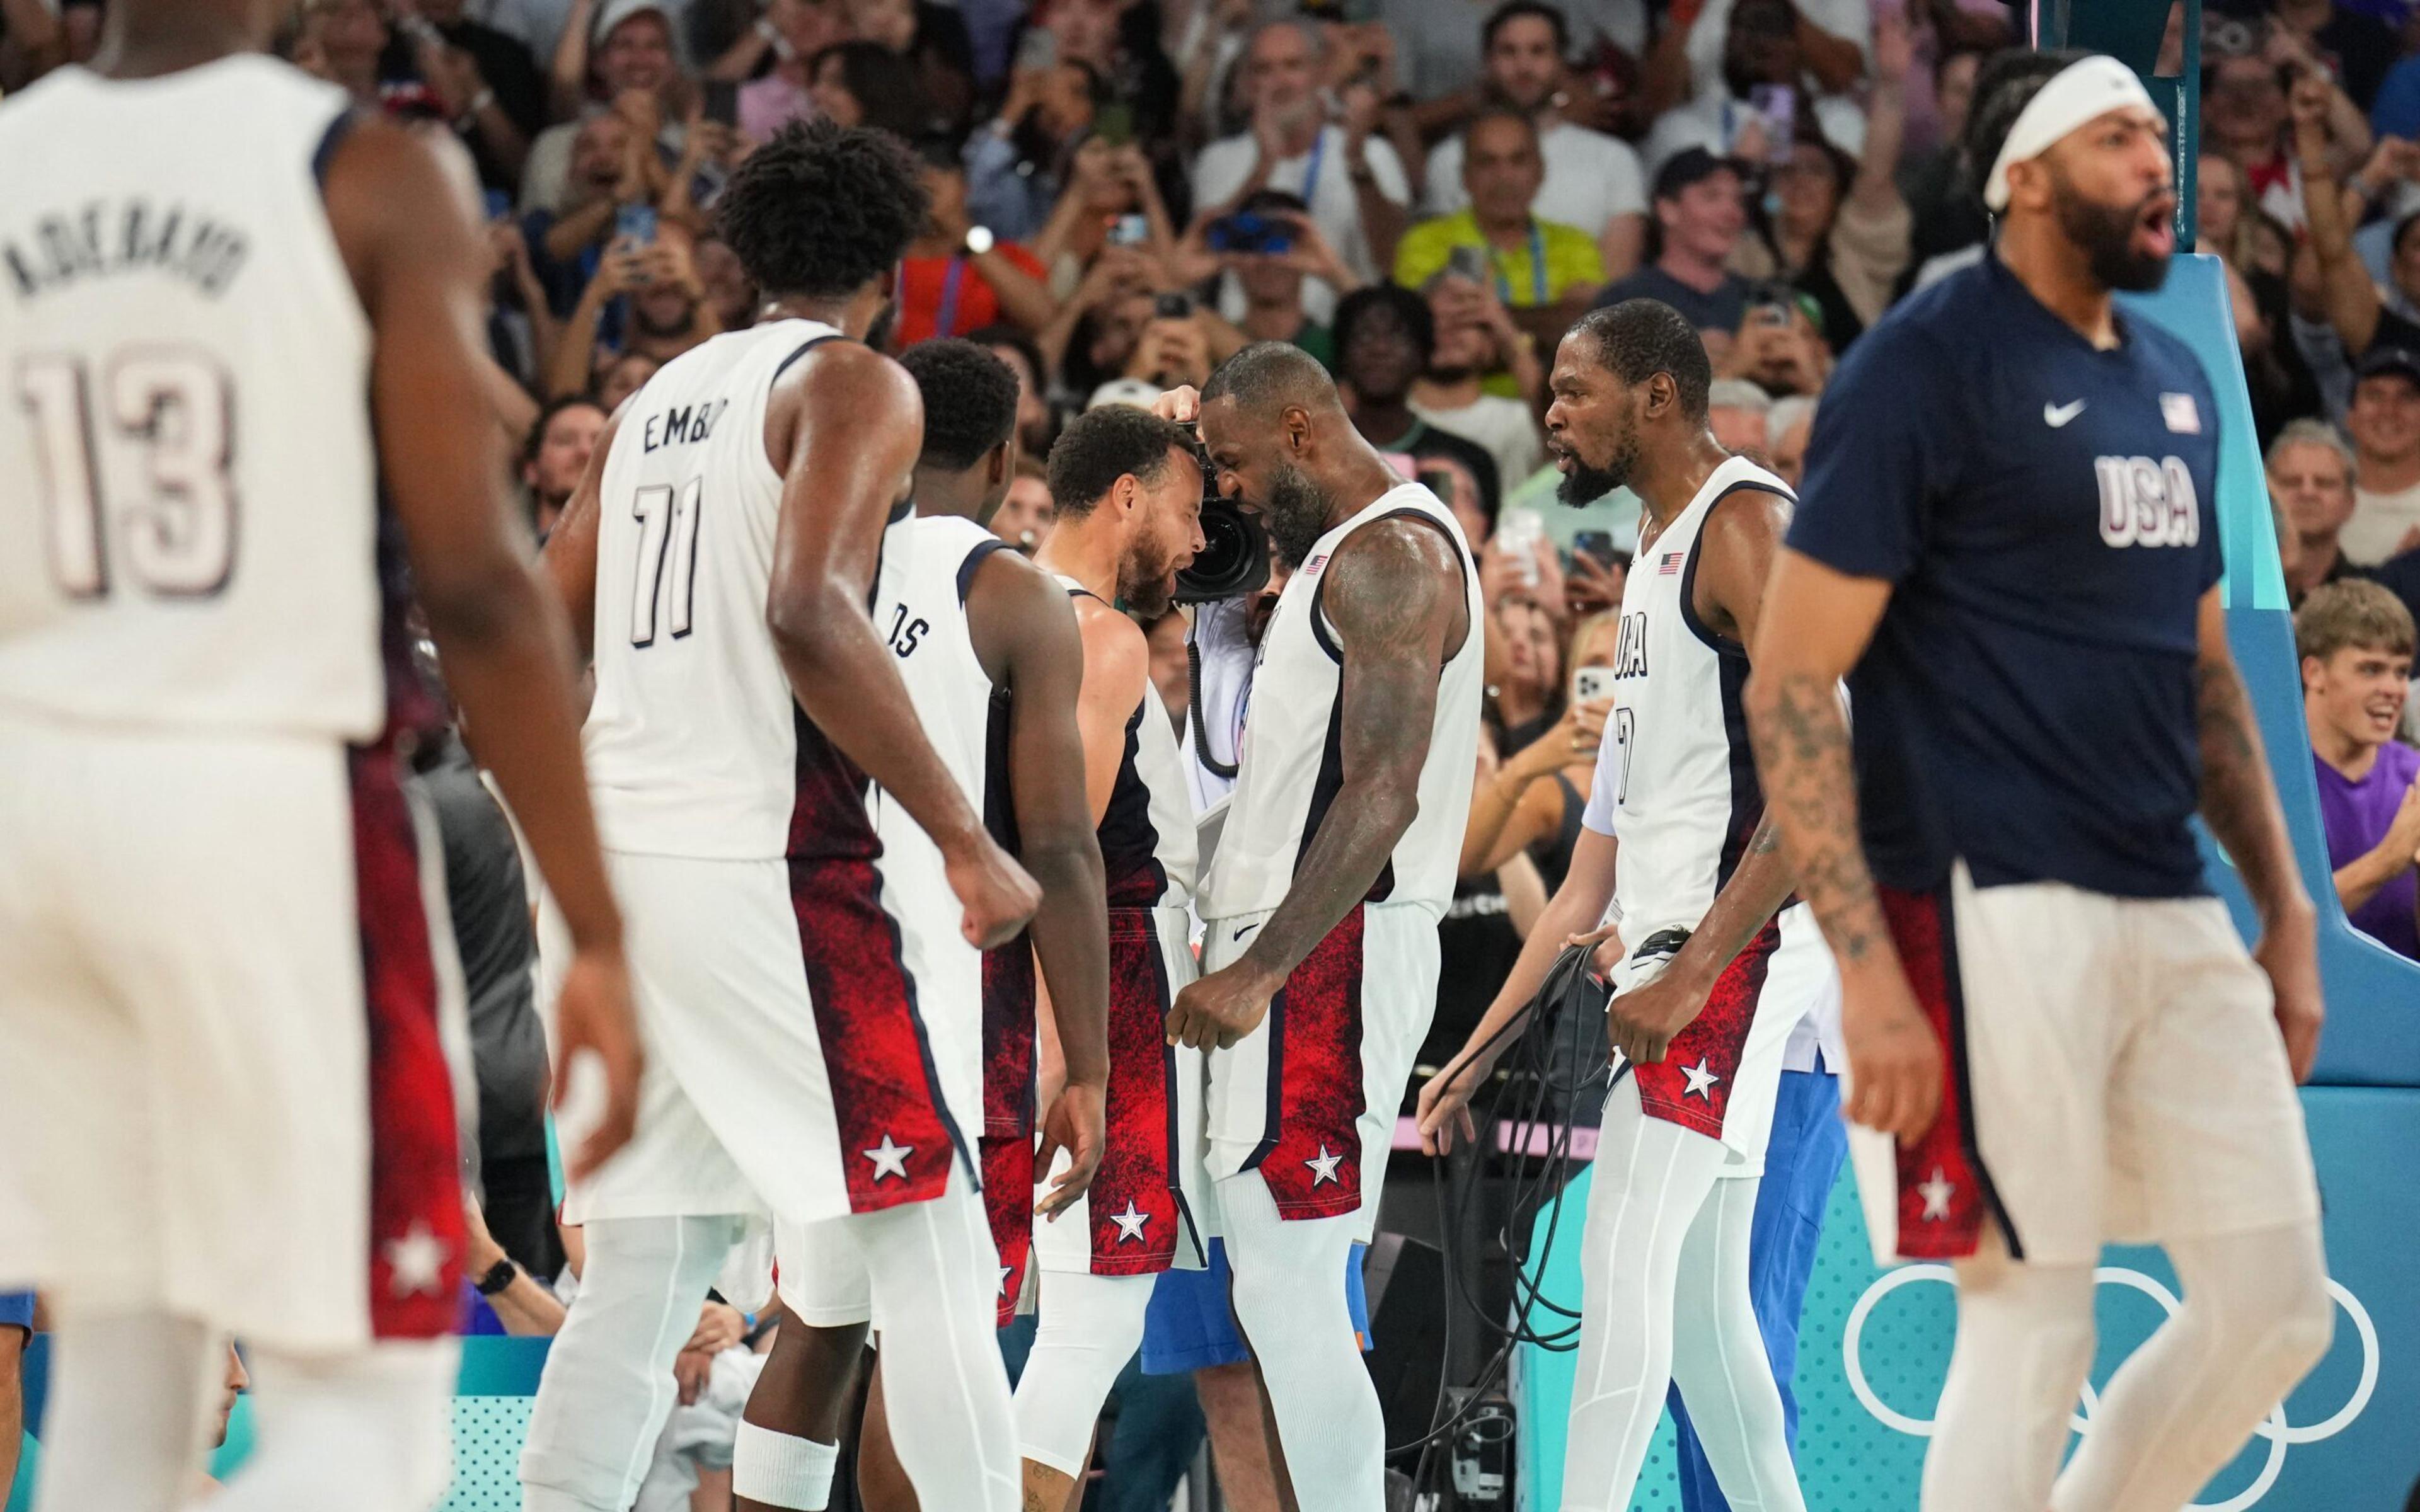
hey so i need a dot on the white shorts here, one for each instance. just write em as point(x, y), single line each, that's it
point(788, 1070)
point(1721, 1076)
point(204, 936)
point(1308, 1098)
point(823, 1278)
point(2114, 1075)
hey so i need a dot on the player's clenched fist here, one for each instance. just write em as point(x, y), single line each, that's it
point(1219, 1008)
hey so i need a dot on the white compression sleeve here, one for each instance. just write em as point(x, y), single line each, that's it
point(935, 1275)
point(608, 1385)
point(1651, 1180)
point(123, 1427)
point(2254, 1319)
point(1289, 1296)
point(2024, 1344)
point(781, 1468)
point(1090, 1327)
point(1719, 1360)
point(372, 1432)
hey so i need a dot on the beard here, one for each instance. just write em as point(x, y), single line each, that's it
point(1294, 513)
point(1585, 485)
point(2106, 234)
point(1143, 580)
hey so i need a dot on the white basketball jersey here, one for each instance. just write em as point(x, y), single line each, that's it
point(692, 742)
point(1675, 779)
point(1291, 765)
point(920, 607)
point(188, 527)
point(1148, 851)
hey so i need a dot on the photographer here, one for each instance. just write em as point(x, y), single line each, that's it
point(1270, 246)
point(1476, 338)
point(1111, 200)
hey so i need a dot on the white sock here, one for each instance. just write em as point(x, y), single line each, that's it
point(1090, 1327)
point(370, 1431)
point(1289, 1296)
point(1719, 1359)
point(781, 1468)
point(2024, 1344)
point(1651, 1180)
point(608, 1383)
point(123, 1427)
point(2256, 1317)
point(935, 1276)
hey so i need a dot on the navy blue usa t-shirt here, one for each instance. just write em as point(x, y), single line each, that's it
point(2046, 515)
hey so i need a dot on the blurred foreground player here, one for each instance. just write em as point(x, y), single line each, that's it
point(2005, 544)
point(720, 559)
point(236, 315)
point(1322, 896)
point(988, 650)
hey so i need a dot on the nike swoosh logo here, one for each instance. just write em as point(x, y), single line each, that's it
point(1243, 930)
point(2055, 415)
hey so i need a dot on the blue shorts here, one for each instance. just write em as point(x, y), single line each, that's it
point(1190, 1325)
point(17, 1310)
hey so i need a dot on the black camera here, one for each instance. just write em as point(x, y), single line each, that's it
point(1235, 556)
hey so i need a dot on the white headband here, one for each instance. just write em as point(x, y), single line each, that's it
point(2092, 88)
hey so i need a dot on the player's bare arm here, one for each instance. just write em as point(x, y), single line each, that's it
point(2239, 802)
point(1735, 551)
point(1394, 595)
point(408, 240)
point(1025, 621)
point(569, 555)
point(1813, 625)
point(844, 430)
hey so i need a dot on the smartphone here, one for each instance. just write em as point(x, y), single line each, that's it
point(1172, 307)
point(1597, 546)
point(1777, 103)
point(1591, 684)
point(719, 102)
point(1769, 305)
point(1470, 263)
point(1129, 231)
point(1037, 49)
point(1113, 123)
point(635, 222)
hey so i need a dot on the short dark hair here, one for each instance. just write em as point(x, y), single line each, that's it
point(822, 210)
point(969, 400)
point(884, 84)
point(1100, 446)
point(1638, 339)
point(2002, 91)
point(1015, 340)
point(1370, 299)
point(1499, 111)
point(1511, 10)
point(1271, 373)
point(536, 437)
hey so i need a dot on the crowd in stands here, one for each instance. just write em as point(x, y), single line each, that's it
point(1423, 194)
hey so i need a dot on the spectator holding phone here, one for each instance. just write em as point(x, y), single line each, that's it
point(485, 81)
point(1591, 180)
point(1476, 338)
point(1755, 74)
point(666, 313)
point(1174, 348)
point(1015, 164)
point(1778, 347)
point(1110, 201)
point(1546, 270)
point(957, 276)
point(621, 53)
point(1354, 185)
point(1270, 246)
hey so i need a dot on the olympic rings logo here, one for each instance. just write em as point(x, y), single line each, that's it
point(2280, 1433)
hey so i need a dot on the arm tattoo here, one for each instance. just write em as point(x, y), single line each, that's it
point(2238, 801)
point(1802, 754)
point(1393, 595)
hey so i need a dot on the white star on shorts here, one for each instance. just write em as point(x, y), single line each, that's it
point(1005, 1272)
point(889, 1159)
point(418, 1261)
point(1936, 1194)
point(1701, 1081)
point(1323, 1168)
point(1130, 1223)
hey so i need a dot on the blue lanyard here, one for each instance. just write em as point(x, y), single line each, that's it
point(1537, 269)
point(947, 321)
point(1310, 171)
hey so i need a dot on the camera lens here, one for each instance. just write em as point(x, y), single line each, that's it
point(1234, 559)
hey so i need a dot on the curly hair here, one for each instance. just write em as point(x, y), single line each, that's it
point(822, 210)
point(1100, 446)
point(969, 400)
point(1638, 339)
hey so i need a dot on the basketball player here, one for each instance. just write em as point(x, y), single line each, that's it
point(720, 559)
point(989, 652)
point(1128, 487)
point(2004, 546)
point(220, 286)
point(1712, 983)
point(1323, 898)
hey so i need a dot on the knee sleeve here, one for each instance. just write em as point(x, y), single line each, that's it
point(608, 1383)
point(123, 1429)
point(372, 1430)
point(2024, 1344)
point(1090, 1327)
